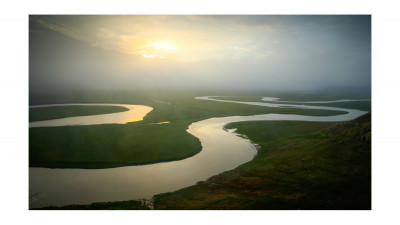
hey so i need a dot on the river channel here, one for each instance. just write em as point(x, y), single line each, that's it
point(222, 150)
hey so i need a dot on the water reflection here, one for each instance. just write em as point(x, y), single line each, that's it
point(222, 150)
point(135, 113)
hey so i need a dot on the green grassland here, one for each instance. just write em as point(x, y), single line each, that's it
point(360, 105)
point(102, 206)
point(301, 165)
point(57, 112)
point(114, 145)
point(241, 98)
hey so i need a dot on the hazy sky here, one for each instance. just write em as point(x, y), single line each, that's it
point(230, 52)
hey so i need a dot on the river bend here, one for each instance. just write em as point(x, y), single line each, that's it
point(222, 150)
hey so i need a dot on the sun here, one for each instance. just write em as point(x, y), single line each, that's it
point(157, 50)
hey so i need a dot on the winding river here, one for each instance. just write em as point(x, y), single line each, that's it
point(222, 150)
point(134, 113)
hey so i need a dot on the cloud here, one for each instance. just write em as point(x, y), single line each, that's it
point(249, 52)
point(153, 56)
point(241, 49)
point(254, 50)
point(182, 38)
point(294, 49)
point(109, 40)
point(267, 53)
point(59, 27)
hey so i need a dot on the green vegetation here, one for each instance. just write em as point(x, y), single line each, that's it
point(147, 96)
point(113, 145)
point(301, 165)
point(102, 206)
point(242, 98)
point(57, 112)
point(360, 105)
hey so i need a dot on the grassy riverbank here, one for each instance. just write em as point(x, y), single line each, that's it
point(112, 145)
point(301, 165)
point(125, 205)
point(360, 105)
point(57, 112)
point(143, 142)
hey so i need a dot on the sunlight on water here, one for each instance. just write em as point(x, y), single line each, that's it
point(135, 113)
point(222, 150)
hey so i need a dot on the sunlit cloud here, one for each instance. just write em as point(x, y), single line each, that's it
point(153, 56)
point(160, 45)
point(170, 37)
point(133, 44)
point(237, 50)
point(241, 49)
point(145, 54)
